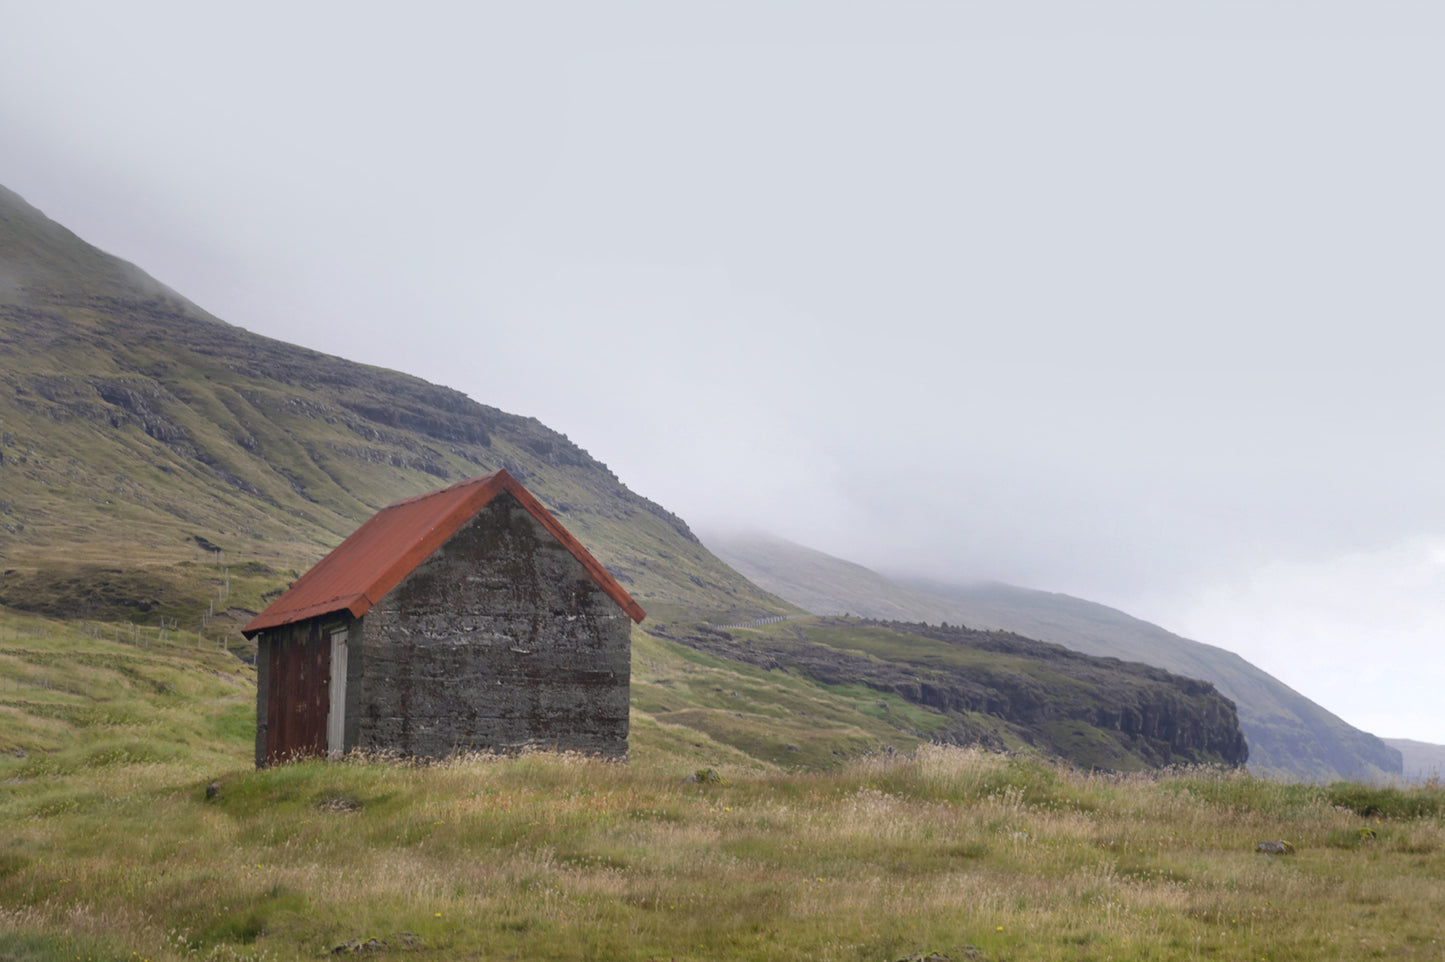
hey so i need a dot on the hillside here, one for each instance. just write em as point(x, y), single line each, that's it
point(134, 426)
point(1422, 760)
point(160, 467)
point(1000, 690)
point(1288, 734)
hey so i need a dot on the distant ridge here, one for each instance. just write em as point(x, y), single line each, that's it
point(1288, 734)
point(1422, 760)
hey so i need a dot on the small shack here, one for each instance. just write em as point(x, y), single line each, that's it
point(467, 619)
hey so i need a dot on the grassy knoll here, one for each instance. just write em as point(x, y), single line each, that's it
point(110, 848)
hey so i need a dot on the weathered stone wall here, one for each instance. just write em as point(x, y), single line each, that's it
point(498, 642)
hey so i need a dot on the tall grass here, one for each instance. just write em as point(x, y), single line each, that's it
point(548, 857)
point(112, 848)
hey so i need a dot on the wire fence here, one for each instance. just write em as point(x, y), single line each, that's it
point(758, 623)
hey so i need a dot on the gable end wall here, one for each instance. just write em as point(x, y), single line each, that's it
point(497, 642)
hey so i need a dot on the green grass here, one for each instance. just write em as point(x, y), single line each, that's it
point(73, 700)
point(564, 858)
point(111, 849)
point(771, 716)
point(1388, 801)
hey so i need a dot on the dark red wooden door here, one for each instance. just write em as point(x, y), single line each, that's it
point(298, 697)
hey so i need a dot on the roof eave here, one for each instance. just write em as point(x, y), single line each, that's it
point(355, 606)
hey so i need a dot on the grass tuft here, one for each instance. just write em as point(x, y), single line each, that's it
point(1386, 801)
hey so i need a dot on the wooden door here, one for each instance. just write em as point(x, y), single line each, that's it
point(298, 695)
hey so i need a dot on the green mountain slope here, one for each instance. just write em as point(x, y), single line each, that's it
point(161, 467)
point(1288, 734)
point(136, 427)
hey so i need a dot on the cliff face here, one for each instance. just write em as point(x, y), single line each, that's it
point(1000, 689)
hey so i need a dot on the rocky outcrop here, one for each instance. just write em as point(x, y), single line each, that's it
point(995, 686)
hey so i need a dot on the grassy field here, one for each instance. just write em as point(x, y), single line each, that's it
point(111, 849)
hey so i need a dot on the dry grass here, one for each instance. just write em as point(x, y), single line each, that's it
point(547, 857)
point(110, 848)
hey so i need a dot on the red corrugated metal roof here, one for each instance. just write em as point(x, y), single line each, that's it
point(384, 550)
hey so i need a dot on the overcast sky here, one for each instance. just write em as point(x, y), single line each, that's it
point(1141, 302)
